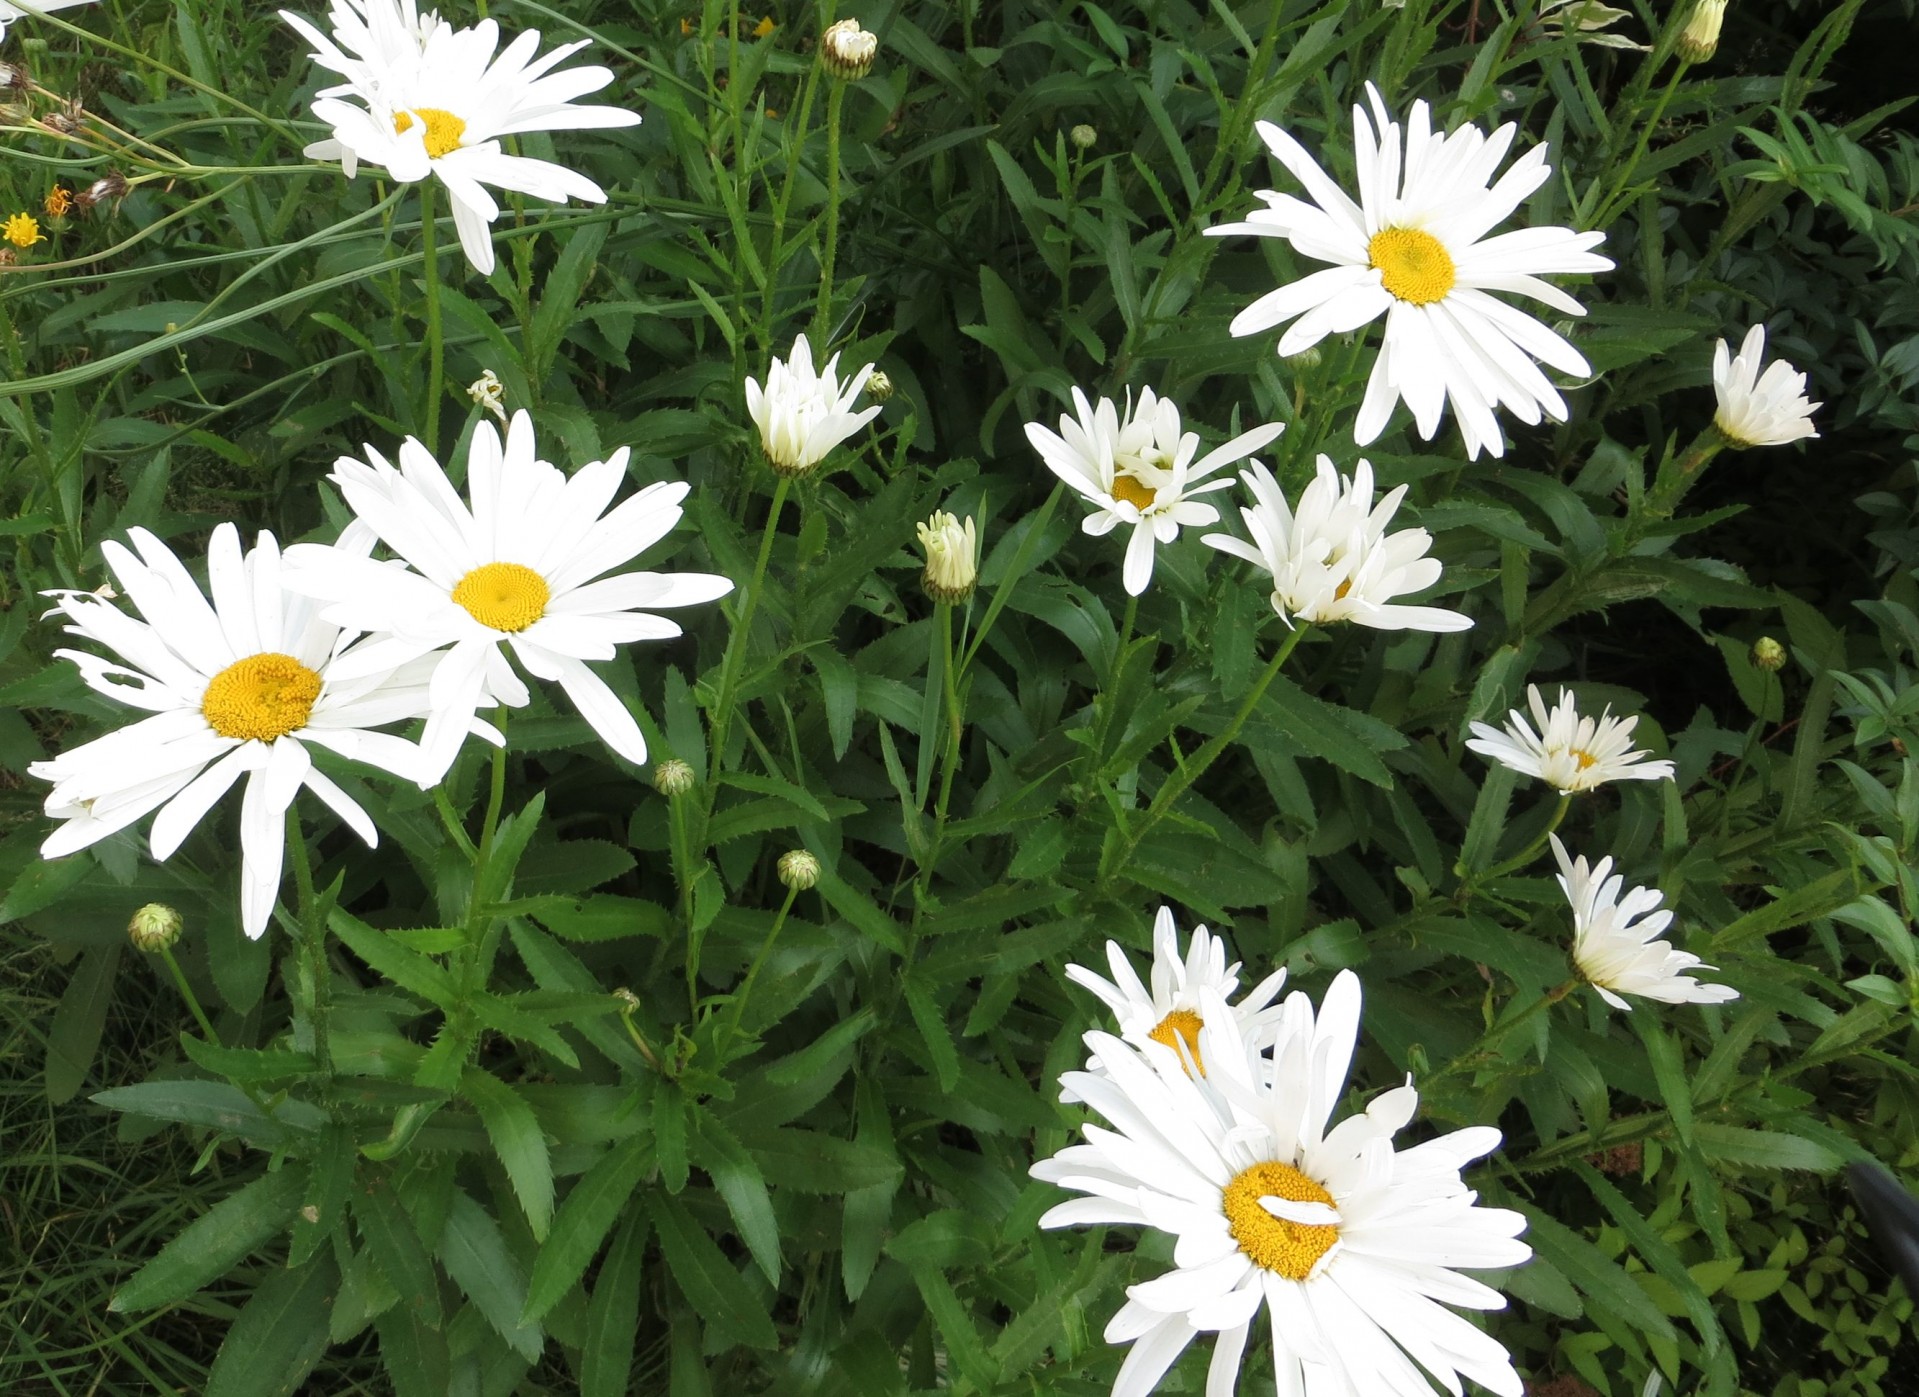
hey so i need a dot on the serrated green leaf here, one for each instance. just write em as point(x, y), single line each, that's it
point(476, 1256)
point(612, 1314)
point(738, 1180)
point(392, 1239)
point(592, 1206)
point(209, 1246)
point(279, 1336)
point(519, 1143)
point(74, 1036)
point(715, 1289)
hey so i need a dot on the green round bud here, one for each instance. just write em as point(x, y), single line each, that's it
point(879, 388)
point(673, 777)
point(799, 870)
point(155, 927)
point(1082, 136)
point(1769, 654)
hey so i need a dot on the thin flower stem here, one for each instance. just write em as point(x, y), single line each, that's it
point(823, 310)
point(1531, 851)
point(1639, 150)
point(1677, 476)
point(737, 642)
point(1474, 1055)
point(186, 993)
point(435, 340)
point(313, 937)
point(738, 1010)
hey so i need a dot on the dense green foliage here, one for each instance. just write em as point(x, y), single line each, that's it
point(519, 1182)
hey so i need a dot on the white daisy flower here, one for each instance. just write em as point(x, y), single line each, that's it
point(1568, 752)
point(1755, 408)
point(1332, 559)
point(1414, 249)
point(514, 571)
point(801, 414)
point(1137, 466)
point(238, 687)
point(1615, 941)
point(1349, 1244)
point(423, 98)
point(1168, 1012)
point(9, 13)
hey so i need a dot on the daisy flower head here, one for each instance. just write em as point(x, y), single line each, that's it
point(511, 568)
point(240, 685)
point(1349, 1244)
point(1567, 751)
point(1756, 408)
point(1136, 466)
point(1615, 939)
point(1414, 249)
point(1165, 1009)
point(1331, 559)
point(422, 98)
point(802, 414)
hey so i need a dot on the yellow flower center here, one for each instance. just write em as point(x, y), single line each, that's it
point(1290, 1249)
point(1414, 266)
point(22, 230)
point(1181, 1024)
point(443, 129)
point(1584, 758)
point(260, 698)
point(505, 596)
point(1136, 494)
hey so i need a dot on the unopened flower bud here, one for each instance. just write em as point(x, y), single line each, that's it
point(799, 870)
point(846, 50)
point(878, 387)
point(1082, 136)
point(112, 185)
point(1700, 38)
point(1769, 654)
point(629, 1001)
point(952, 557)
point(155, 927)
point(673, 777)
point(489, 393)
point(1307, 358)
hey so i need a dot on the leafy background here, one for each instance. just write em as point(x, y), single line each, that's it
point(821, 1187)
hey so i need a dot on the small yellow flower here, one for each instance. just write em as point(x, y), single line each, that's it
point(58, 201)
point(686, 27)
point(22, 230)
point(764, 27)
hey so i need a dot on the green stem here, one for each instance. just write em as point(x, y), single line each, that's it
point(316, 990)
point(823, 311)
point(186, 993)
point(1531, 851)
point(738, 1011)
point(1476, 1053)
point(737, 642)
point(1639, 149)
point(1676, 476)
point(435, 338)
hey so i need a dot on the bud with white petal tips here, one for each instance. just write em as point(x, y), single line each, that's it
point(155, 927)
point(489, 393)
point(952, 557)
point(1768, 408)
point(846, 50)
point(799, 870)
point(879, 387)
point(1700, 38)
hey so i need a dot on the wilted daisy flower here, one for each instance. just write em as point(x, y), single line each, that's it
point(1585, 20)
point(1168, 1012)
point(9, 13)
point(1137, 467)
point(1755, 408)
point(801, 414)
point(1614, 939)
point(1414, 249)
point(1349, 1244)
point(422, 98)
point(1332, 559)
point(235, 688)
point(514, 571)
point(1567, 751)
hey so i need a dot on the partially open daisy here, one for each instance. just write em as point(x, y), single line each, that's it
point(1759, 408)
point(1332, 559)
point(1567, 751)
point(1350, 1245)
point(1615, 939)
point(1414, 249)
point(1136, 466)
point(236, 688)
point(514, 571)
point(423, 98)
point(1168, 1011)
point(803, 414)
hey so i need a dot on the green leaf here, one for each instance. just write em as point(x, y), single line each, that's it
point(280, 1335)
point(412, 1352)
point(738, 1180)
point(1658, 1254)
point(601, 917)
point(1763, 1149)
point(570, 866)
point(209, 1246)
point(392, 1239)
point(588, 1214)
point(612, 1314)
point(860, 910)
point(1603, 1281)
point(249, 1066)
point(333, 1163)
point(509, 844)
point(517, 1139)
point(216, 1106)
point(74, 1036)
point(669, 1134)
point(1309, 726)
point(814, 1163)
point(475, 1255)
point(407, 969)
point(936, 1034)
point(715, 1290)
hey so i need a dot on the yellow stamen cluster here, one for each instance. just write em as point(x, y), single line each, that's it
point(260, 698)
point(1584, 758)
point(505, 596)
point(22, 230)
point(1182, 1025)
point(1136, 494)
point(1289, 1249)
point(444, 130)
point(58, 201)
point(1413, 266)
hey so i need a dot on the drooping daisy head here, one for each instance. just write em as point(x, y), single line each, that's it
point(802, 414)
point(1759, 407)
point(1166, 1008)
point(423, 98)
point(1615, 939)
point(512, 568)
point(1349, 1244)
point(1566, 750)
point(1332, 559)
point(1136, 466)
point(239, 686)
point(1415, 249)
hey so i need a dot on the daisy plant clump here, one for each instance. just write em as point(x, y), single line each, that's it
point(1136, 466)
point(1616, 941)
point(802, 414)
point(1414, 249)
point(423, 99)
point(518, 566)
point(1352, 1248)
point(238, 686)
point(1569, 751)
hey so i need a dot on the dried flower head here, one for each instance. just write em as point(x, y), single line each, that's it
point(110, 186)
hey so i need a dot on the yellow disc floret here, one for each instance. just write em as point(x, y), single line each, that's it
point(1134, 492)
point(444, 130)
point(1289, 1249)
point(1181, 1024)
point(505, 596)
point(1414, 266)
point(260, 698)
point(22, 230)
